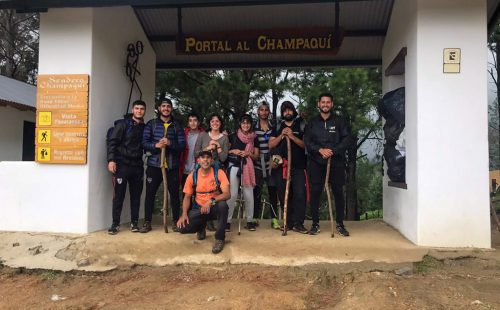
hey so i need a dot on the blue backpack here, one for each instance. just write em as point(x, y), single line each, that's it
point(195, 182)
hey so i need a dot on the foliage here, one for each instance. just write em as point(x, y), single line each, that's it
point(226, 92)
point(494, 108)
point(369, 185)
point(19, 45)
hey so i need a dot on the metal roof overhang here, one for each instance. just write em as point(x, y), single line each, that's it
point(365, 23)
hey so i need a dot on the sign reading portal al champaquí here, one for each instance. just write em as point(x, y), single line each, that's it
point(61, 119)
point(304, 40)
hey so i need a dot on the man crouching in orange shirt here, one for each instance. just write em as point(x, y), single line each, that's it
point(205, 194)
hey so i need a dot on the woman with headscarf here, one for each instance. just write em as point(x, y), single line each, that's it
point(242, 153)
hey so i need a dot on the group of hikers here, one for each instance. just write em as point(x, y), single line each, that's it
point(215, 168)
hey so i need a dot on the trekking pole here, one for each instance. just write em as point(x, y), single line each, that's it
point(240, 205)
point(163, 167)
point(328, 193)
point(287, 187)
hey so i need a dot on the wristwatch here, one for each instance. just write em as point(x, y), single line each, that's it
point(213, 202)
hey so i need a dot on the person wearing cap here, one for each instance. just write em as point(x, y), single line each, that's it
point(292, 128)
point(327, 136)
point(205, 200)
point(154, 141)
point(242, 153)
point(263, 168)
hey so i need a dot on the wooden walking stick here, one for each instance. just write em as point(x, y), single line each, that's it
point(287, 187)
point(163, 166)
point(328, 193)
point(240, 205)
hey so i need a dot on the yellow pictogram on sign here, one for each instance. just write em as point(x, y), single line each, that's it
point(43, 154)
point(43, 136)
point(45, 118)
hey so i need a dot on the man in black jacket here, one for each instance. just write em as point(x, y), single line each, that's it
point(327, 135)
point(125, 163)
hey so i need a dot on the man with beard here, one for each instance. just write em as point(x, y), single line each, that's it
point(327, 136)
point(293, 129)
point(125, 163)
point(205, 193)
point(153, 141)
point(263, 172)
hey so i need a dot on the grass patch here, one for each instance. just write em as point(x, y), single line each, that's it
point(49, 275)
point(427, 263)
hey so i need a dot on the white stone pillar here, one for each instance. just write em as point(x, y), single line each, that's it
point(77, 198)
point(446, 202)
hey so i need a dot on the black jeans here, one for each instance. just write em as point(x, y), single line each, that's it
point(317, 174)
point(297, 197)
point(198, 221)
point(257, 194)
point(134, 176)
point(153, 181)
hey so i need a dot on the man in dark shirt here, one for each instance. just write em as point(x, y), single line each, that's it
point(125, 163)
point(327, 136)
point(290, 127)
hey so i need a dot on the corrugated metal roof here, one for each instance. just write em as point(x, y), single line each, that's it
point(161, 25)
point(18, 92)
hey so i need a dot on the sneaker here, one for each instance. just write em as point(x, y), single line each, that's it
point(228, 227)
point(250, 226)
point(146, 227)
point(218, 246)
point(202, 234)
point(211, 226)
point(176, 229)
point(341, 229)
point(300, 229)
point(134, 227)
point(114, 229)
point(314, 229)
point(275, 224)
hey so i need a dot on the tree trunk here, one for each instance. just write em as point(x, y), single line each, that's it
point(352, 213)
point(497, 55)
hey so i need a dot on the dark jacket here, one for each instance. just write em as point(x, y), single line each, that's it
point(125, 143)
point(332, 133)
point(153, 132)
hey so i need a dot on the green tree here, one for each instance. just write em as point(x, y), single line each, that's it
point(494, 108)
point(19, 45)
point(227, 92)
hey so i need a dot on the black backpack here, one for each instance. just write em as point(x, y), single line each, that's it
point(128, 124)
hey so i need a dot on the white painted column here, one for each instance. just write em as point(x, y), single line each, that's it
point(447, 200)
point(77, 198)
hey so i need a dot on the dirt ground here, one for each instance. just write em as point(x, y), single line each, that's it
point(458, 283)
point(442, 280)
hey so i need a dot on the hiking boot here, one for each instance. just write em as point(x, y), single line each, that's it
point(211, 226)
point(250, 226)
point(134, 227)
point(146, 227)
point(228, 227)
point(114, 229)
point(176, 229)
point(341, 229)
point(256, 223)
point(218, 246)
point(202, 234)
point(314, 229)
point(300, 229)
point(275, 224)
